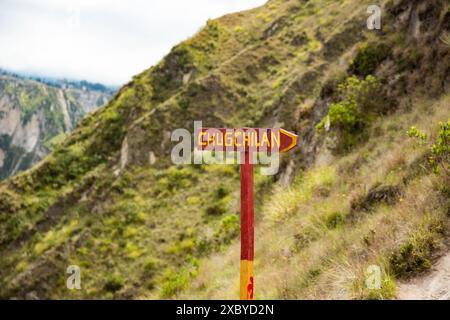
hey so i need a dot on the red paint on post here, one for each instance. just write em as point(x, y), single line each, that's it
point(247, 227)
point(247, 210)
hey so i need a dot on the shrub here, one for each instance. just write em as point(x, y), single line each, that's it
point(216, 209)
point(369, 58)
point(174, 282)
point(151, 266)
point(220, 203)
point(416, 133)
point(410, 258)
point(229, 229)
point(367, 93)
point(335, 220)
point(349, 117)
point(345, 115)
point(416, 253)
point(213, 28)
point(183, 247)
point(347, 121)
point(221, 192)
point(378, 194)
point(441, 149)
point(174, 178)
point(114, 283)
point(132, 250)
point(307, 236)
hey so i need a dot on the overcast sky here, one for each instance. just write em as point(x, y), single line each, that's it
point(105, 41)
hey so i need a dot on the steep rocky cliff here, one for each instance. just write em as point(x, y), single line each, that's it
point(34, 116)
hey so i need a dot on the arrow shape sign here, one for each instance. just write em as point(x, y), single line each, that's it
point(247, 141)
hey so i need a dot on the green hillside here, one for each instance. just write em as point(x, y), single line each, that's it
point(364, 189)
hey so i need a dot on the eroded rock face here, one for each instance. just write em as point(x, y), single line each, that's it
point(124, 154)
point(65, 111)
point(33, 115)
point(10, 116)
point(27, 136)
point(2, 157)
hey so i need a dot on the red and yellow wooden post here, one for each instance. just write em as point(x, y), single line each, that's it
point(258, 140)
point(247, 229)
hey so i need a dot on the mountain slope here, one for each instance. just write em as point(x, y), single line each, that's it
point(109, 200)
point(34, 116)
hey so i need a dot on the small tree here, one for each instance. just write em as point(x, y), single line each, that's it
point(348, 118)
point(440, 150)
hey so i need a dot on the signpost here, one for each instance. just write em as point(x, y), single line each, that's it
point(246, 141)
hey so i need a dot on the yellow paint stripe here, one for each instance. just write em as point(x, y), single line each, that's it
point(247, 280)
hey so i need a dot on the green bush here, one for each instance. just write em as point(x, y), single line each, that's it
point(335, 220)
point(151, 266)
point(410, 259)
point(413, 132)
point(221, 199)
point(221, 192)
point(441, 149)
point(229, 229)
point(183, 247)
point(416, 253)
point(369, 58)
point(216, 209)
point(345, 115)
point(174, 282)
point(213, 28)
point(366, 92)
point(173, 179)
point(349, 117)
point(114, 283)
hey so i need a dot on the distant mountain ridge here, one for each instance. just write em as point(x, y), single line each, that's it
point(37, 113)
point(62, 83)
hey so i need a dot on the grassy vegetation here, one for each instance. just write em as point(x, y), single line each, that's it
point(109, 200)
point(416, 252)
point(310, 243)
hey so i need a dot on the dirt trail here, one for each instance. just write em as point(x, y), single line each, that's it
point(435, 285)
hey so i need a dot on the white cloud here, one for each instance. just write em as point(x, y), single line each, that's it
point(103, 40)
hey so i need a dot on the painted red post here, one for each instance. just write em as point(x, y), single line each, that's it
point(247, 229)
point(251, 141)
